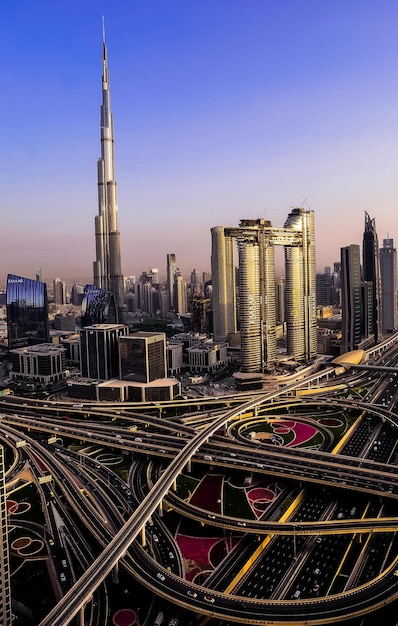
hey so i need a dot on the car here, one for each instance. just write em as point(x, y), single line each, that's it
point(339, 515)
point(315, 587)
point(193, 594)
point(209, 599)
point(155, 538)
point(160, 576)
point(319, 539)
point(64, 563)
point(297, 594)
point(211, 516)
point(317, 571)
point(51, 542)
point(62, 577)
point(241, 523)
point(171, 555)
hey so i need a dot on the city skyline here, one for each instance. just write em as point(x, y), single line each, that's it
point(222, 114)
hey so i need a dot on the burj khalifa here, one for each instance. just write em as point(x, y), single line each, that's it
point(107, 266)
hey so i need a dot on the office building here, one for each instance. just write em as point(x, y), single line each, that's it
point(143, 357)
point(43, 365)
point(389, 289)
point(107, 266)
point(371, 271)
point(27, 312)
point(223, 283)
point(350, 281)
point(5, 589)
point(99, 350)
point(171, 273)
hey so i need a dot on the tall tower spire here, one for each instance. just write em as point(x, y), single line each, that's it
point(107, 266)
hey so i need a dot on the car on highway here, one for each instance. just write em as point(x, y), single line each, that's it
point(62, 577)
point(160, 576)
point(193, 594)
point(209, 599)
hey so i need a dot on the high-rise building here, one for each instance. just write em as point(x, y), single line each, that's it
point(27, 312)
point(98, 306)
point(99, 350)
point(171, 273)
point(389, 288)
point(350, 280)
point(107, 266)
point(223, 283)
point(5, 590)
point(143, 357)
point(300, 289)
point(257, 293)
point(180, 294)
point(59, 289)
point(371, 270)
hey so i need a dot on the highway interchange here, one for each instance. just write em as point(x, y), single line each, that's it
point(297, 555)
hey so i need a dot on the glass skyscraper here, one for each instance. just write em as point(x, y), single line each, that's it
point(27, 312)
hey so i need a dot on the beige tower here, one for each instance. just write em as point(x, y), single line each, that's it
point(223, 282)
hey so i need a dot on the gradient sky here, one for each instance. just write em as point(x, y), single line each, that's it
point(224, 109)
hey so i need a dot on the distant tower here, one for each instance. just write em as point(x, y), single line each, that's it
point(389, 288)
point(351, 297)
point(107, 266)
point(223, 283)
point(171, 273)
point(59, 289)
point(371, 270)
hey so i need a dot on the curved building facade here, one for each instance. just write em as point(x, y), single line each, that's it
point(98, 306)
point(27, 312)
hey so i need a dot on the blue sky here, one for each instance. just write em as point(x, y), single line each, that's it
point(224, 110)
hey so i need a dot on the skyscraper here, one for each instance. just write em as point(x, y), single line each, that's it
point(171, 273)
point(107, 266)
point(371, 270)
point(300, 289)
point(223, 283)
point(27, 312)
point(257, 299)
point(389, 289)
point(351, 297)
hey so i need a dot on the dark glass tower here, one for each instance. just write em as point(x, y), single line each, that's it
point(27, 312)
point(371, 270)
point(351, 300)
point(107, 266)
point(98, 306)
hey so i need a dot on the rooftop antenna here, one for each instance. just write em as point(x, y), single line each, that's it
point(103, 29)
